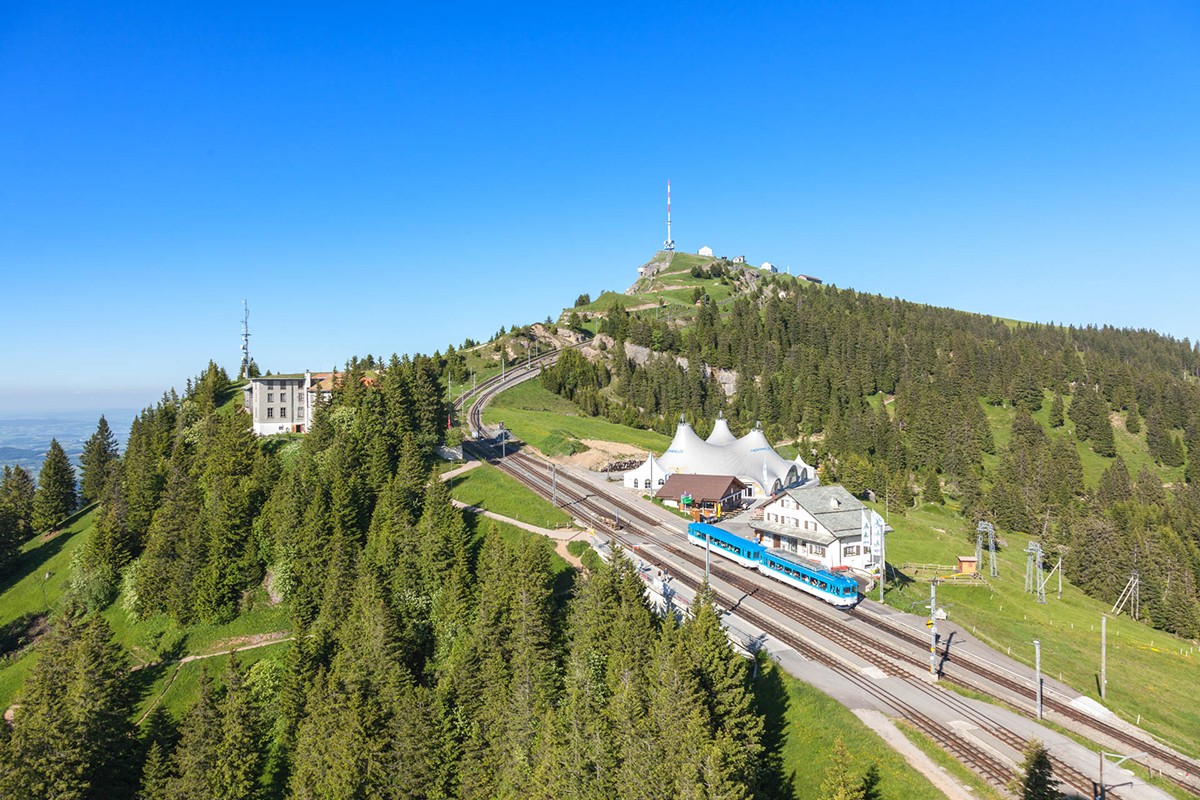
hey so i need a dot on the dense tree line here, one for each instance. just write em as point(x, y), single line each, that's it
point(427, 661)
point(892, 397)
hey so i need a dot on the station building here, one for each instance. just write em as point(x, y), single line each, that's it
point(823, 523)
point(707, 495)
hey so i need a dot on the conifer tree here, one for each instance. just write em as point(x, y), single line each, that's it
point(1056, 411)
point(239, 753)
point(194, 761)
point(18, 490)
point(10, 538)
point(1037, 781)
point(99, 454)
point(1133, 419)
point(931, 492)
point(71, 735)
point(839, 782)
point(1103, 442)
point(55, 498)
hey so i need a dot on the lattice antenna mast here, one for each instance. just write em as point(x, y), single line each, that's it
point(669, 244)
point(244, 372)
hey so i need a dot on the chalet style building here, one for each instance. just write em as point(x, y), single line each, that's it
point(822, 523)
point(711, 495)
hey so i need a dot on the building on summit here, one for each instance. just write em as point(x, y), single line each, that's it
point(750, 459)
point(287, 403)
point(284, 403)
point(705, 251)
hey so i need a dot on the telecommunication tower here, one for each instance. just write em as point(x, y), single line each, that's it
point(669, 244)
point(244, 372)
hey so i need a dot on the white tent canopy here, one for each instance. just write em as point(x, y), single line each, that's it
point(649, 475)
point(721, 435)
point(751, 458)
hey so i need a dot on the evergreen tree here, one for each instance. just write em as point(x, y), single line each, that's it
point(1036, 781)
point(71, 735)
point(1133, 420)
point(931, 492)
point(99, 454)
point(55, 498)
point(239, 753)
point(1056, 411)
point(10, 537)
point(194, 761)
point(18, 490)
point(839, 782)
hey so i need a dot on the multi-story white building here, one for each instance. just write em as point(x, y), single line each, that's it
point(285, 403)
point(822, 523)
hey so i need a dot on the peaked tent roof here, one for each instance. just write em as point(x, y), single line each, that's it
point(750, 458)
point(721, 435)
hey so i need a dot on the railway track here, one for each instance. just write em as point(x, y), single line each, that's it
point(883, 653)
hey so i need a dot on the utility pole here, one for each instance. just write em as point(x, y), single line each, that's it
point(554, 484)
point(933, 629)
point(707, 548)
point(1037, 668)
point(882, 557)
point(1103, 658)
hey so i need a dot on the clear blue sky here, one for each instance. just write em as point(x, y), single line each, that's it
point(376, 180)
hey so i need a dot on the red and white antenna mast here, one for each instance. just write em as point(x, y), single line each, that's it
point(669, 244)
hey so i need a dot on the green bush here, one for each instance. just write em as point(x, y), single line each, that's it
point(591, 560)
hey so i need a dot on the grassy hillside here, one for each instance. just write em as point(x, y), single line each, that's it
point(1131, 447)
point(487, 487)
point(556, 426)
point(30, 592)
point(1151, 674)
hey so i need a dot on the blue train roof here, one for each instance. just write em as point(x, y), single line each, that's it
point(812, 566)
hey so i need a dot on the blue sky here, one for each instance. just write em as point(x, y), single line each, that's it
point(382, 179)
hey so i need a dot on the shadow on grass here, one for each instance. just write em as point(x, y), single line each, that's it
point(771, 700)
point(32, 560)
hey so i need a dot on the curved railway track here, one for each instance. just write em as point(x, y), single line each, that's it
point(885, 652)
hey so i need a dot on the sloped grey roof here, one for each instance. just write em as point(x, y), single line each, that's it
point(832, 506)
